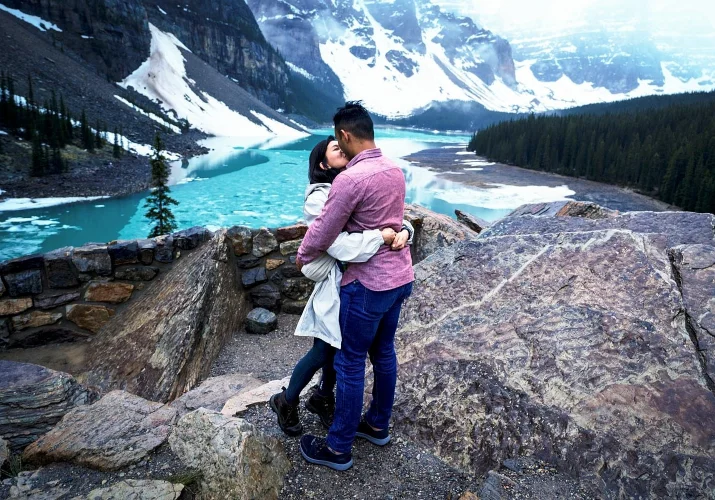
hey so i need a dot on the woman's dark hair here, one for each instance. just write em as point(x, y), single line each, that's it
point(316, 174)
point(354, 118)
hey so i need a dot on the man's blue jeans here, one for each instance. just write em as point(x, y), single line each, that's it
point(368, 321)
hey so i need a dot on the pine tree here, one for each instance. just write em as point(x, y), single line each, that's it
point(30, 92)
point(116, 149)
point(3, 99)
point(98, 142)
point(12, 113)
point(38, 158)
point(86, 133)
point(159, 201)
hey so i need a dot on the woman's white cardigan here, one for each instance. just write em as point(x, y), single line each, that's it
point(321, 316)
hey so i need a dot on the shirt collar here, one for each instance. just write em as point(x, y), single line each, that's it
point(363, 155)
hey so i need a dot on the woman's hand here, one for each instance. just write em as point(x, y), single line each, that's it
point(388, 235)
point(400, 240)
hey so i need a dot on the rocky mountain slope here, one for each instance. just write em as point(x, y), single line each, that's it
point(222, 52)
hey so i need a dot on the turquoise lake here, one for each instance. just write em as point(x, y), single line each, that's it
point(257, 186)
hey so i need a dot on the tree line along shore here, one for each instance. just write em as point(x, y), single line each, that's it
point(667, 152)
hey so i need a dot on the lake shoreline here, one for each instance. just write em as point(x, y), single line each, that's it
point(457, 165)
point(95, 174)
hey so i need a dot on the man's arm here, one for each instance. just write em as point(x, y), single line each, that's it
point(342, 200)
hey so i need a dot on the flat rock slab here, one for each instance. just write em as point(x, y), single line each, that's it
point(161, 344)
point(138, 489)
point(118, 430)
point(114, 293)
point(236, 460)
point(540, 338)
point(88, 316)
point(214, 392)
point(56, 300)
point(14, 306)
point(680, 228)
point(33, 399)
point(35, 319)
point(260, 394)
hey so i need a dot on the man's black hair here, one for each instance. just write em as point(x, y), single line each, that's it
point(354, 118)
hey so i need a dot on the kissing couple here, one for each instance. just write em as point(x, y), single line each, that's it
point(356, 250)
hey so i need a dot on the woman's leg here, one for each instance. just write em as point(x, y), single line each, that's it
point(327, 380)
point(319, 356)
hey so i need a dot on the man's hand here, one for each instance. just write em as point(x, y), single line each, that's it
point(388, 235)
point(298, 263)
point(400, 240)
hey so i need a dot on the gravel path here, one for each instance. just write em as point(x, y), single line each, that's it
point(400, 470)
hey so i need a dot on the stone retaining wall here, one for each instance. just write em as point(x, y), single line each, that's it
point(68, 294)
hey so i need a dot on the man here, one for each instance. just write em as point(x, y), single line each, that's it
point(370, 194)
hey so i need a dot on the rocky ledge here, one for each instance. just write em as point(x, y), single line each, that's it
point(580, 337)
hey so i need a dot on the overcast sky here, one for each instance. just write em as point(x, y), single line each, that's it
point(512, 18)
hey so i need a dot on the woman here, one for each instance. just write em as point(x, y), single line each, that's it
point(320, 319)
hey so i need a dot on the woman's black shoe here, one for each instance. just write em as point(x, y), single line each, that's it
point(323, 407)
point(288, 419)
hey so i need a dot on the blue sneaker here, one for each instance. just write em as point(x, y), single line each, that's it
point(380, 438)
point(315, 450)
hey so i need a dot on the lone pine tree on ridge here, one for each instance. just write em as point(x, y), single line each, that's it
point(159, 201)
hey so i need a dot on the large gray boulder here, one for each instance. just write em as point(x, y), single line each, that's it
point(434, 231)
point(118, 430)
point(162, 343)
point(565, 338)
point(236, 460)
point(33, 399)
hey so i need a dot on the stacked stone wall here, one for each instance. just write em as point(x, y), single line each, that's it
point(68, 294)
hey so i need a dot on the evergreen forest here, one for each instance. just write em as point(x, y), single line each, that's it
point(49, 127)
point(667, 152)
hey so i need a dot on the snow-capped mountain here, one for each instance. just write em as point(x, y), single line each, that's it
point(398, 57)
point(402, 57)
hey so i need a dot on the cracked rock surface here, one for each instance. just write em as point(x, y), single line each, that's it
point(582, 342)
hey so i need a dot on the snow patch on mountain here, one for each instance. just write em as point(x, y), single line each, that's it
point(37, 22)
point(300, 70)
point(162, 78)
point(152, 116)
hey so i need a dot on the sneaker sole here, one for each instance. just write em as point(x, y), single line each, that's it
point(332, 465)
point(312, 409)
point(374, 440)
point(287, 431)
